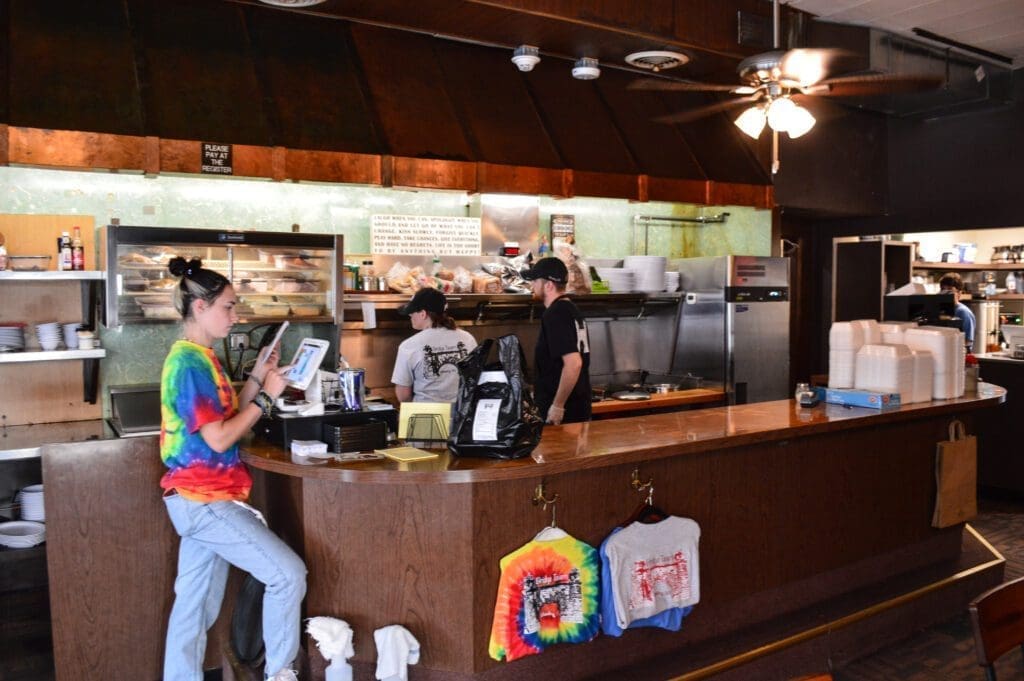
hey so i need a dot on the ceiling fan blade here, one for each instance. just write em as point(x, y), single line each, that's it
point(652, 84)
point(802, 67)
point(702, 111)
point(873, 84)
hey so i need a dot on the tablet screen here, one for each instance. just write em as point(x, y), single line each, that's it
point(305, 363)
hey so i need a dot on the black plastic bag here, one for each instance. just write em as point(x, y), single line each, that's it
point(495, 418)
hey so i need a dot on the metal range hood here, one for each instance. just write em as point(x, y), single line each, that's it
point(251, 75)
point(970, 82)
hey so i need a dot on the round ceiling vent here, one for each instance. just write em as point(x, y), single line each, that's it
point(293, 3)
point(656, 60)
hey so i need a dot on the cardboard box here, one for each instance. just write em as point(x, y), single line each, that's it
point(862, 398)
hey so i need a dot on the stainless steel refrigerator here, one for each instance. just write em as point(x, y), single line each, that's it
point(734, 325)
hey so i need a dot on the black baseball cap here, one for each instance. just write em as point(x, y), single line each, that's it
point(429, 299)
point(551, 268)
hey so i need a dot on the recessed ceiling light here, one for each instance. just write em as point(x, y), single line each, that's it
point(656, 60)
point(293, 3)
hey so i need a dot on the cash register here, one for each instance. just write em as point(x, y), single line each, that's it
point(354, 426)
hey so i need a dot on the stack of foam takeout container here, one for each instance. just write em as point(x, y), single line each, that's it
point(947, 349)
point(918, 363)
point(649, 271)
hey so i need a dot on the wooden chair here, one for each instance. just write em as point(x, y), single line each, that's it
point(997, 617)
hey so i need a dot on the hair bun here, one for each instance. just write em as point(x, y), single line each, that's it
point(177, 266)
point(180, 268)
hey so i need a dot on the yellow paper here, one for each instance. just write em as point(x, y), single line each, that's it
point(432, 420)
point(406, 453)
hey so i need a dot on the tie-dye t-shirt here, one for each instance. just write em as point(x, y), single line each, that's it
point(548, 593)
point(194, 391)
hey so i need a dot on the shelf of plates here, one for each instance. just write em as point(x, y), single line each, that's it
point(51, 355)
point(91, 282)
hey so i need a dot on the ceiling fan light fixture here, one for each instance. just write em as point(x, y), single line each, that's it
point(800, 122)
point(751, 121)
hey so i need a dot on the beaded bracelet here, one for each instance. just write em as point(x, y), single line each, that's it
point(265, 402)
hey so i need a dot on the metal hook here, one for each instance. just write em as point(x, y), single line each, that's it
point(539, 498)
point(635, 483)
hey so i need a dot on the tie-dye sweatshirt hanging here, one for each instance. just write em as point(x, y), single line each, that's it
point(195, 391)
point(548, 593)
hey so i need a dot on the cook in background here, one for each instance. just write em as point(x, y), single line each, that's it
point(562, 357)
point(425, 368)
point(952, 283)
point(206, 484)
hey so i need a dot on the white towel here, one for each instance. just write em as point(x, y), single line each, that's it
point(333, 637)
point(396, 648)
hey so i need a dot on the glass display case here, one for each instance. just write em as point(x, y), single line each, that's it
point(276, 275)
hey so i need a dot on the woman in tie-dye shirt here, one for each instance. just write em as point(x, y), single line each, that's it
point(206, 483)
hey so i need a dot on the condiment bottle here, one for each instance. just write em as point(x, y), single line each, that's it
point(77, 251)
point(66, 260)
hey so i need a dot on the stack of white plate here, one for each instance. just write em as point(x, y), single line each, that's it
point(650, 271)
point(49, 335)
point(671, 281)
point(619, 280)
point(31, 499)
point(12, 337)
point(21, 534)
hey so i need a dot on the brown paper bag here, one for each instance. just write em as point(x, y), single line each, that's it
point(956, 473)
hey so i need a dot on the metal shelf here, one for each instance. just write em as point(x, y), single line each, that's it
point(84, 275)
point(968, 266)
point(51, 355)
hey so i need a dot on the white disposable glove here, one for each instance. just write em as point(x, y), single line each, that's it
point(555, 415)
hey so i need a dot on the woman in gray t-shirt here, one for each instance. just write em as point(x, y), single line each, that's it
point(425, 368)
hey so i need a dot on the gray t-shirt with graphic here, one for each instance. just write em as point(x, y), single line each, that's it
point(426, 363)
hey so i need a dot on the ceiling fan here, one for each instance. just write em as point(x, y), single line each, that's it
point(775, 84)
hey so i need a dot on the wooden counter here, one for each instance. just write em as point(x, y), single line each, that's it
point(676, 398)
point(803, 512)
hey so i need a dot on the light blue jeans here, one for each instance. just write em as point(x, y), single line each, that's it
point(214, 535)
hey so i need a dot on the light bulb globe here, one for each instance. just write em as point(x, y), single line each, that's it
point(800, 122)
point(751, 121)
point(780, 111)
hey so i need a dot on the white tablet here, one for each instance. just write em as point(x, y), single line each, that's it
point(305, 363)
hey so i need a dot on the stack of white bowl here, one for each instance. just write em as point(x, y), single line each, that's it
point(892, 332)
point(12, 337)
point(21, 534)
point(887, 369)
point(844, 340)
point(946, 346)
point(619, 280)
point(650, 271)
point(672, 281)
point(71, 335)
point(31, 500)
point(924, 376)
point(49, 335)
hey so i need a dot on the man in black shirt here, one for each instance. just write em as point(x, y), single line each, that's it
point(562, 356)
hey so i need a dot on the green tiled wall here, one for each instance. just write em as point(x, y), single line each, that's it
point(604, 227)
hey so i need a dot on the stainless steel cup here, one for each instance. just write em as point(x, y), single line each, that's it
point(351, 386)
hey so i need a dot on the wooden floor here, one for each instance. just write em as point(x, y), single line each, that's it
point(944, 652)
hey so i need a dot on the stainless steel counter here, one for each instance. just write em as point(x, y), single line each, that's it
point(25, 442)
point(999, 357)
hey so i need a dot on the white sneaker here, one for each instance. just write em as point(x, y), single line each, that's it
point(284, 675)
